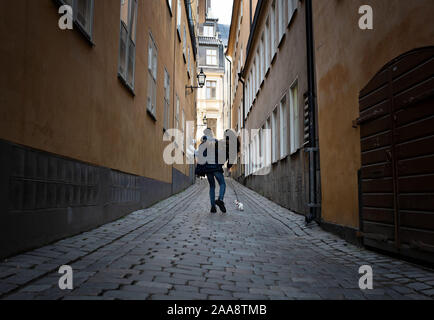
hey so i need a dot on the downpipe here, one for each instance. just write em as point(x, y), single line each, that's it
point(313, 148)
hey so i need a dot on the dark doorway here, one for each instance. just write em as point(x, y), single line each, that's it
point(397, 142)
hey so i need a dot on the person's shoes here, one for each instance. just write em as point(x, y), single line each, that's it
point(221, 205)
point(213, 209)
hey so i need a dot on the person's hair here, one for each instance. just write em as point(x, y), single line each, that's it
point(208, 132)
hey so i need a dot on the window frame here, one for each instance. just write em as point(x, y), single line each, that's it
point(166, 119)
point(267, 45)
point(178, 19)
point(214, 56)
point(283, 130)
point(214, 88)
point(274, 135)
point(273, 41)
point(294, 109)
point(152, 73)
point(132, 23)
point(87, 34)
point(291, 10)
point(169, 5)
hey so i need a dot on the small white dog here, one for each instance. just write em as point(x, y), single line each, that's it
point(239, 205)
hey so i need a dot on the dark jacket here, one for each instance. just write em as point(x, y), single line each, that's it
point(205, 168)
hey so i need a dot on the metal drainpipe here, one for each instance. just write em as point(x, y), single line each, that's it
point(313, 149)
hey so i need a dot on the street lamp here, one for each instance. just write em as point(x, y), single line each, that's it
point(201, 77)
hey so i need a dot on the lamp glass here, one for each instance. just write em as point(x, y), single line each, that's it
point(201, 77)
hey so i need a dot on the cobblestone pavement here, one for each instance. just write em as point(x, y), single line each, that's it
point(178, 250)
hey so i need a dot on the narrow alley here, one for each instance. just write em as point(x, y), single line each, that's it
point(177, 250)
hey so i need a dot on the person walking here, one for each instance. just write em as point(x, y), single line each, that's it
point(212, 168)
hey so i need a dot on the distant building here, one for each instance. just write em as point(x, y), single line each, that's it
point(211, 59)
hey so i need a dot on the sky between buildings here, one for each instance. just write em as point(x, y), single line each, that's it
point(222, 9)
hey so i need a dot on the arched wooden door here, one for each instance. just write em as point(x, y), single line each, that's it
point(397, 142)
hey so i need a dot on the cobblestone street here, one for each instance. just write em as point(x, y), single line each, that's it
point(178, 250)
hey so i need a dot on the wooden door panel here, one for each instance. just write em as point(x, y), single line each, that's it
point(397, 155)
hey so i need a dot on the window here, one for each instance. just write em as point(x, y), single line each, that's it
point(262, 56)
point(169, 3)
point(178, 19)
point(184, 45)
point(255, 153)
point(252, 83)
point(183, 121)
point(295, 119)
point(267, 139)
point(82, 15)
point(211, 57)
point(254, 80)
point(292, 6)
point(283, 128)
point(274, 135)
point(262, 147)
point(152, 76)
point(281, 22)
point(127, 55)
point(241, 58)
point(267, 45)
point(166, 99)
point(211, 89)
point(188, 61)
point(208, 31)
point(273, 26)
point(177, 113)
point(239, 119)
point(258, 71)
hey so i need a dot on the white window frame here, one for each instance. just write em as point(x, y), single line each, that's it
point(273, 28)
point(169, 3)
point(209, 89)
point(211, 59)
point(254, 81)
point(294, 118)
point(188, 62)
point(208, 31)
point(267, 45)
point(292, 7)
point(258, 72)
point(176, 118)
point(268, 143)
point(281, 15)
point(151, 104)
point(283, 110)
point(274, 135)
point(166, 99)
point(183, 121)
point(178, 19)
point(262, 58)
point(130, 29)
point(184, 45)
